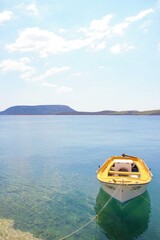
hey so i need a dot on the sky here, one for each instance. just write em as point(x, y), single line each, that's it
point(91, 55)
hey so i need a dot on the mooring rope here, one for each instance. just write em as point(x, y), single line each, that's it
point(93, 219)
point(69, 235)
point(154, 205)
point(114, 193)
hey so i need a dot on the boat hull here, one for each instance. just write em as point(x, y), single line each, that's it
point(123, 192)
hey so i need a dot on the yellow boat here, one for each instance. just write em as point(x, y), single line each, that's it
point(124, 177)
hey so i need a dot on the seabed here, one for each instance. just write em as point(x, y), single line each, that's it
point(8, 232)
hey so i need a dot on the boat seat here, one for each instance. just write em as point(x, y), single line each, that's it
point(124, 173)
point(123, 165)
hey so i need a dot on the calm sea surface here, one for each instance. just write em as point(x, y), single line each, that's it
point(48, 182)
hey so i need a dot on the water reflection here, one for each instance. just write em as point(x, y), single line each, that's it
point(123, 222)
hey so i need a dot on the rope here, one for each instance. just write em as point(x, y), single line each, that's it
point(114, 193)
point(93, 219)
point(78, 229)
point(154, 205)
point(97, 215)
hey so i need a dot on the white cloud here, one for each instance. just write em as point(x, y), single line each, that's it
point(101, 67)
point(48, 85)
point(32, 9)
point(50, 72)
point(20, 65)
point(101, 25)
point(38, 40)
point(145, 26)
point(64, 90)
point(118, 48)
point(45, 42)
point(96, 32)
point(139, 16)
point(95, 37)
point(77, 74)
point(16, 65)
point(55, 70)
point(5, 16)
point(98, 46)
point(26, 75)
point(119, 28)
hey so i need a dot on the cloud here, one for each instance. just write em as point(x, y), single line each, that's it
point(119, 28)
point(139, 16)
point(98, 27)
point(32, 9)
point(20, 65)
point(101, 67)
point(101, 25)
point(55, 70)
point(45, 42)
point(145, 26)
point(95, 37)
point(60, 90)
point(50, 72)
point(95, 47)
point(118, 48)
point(5, 16)
point(38, 40)
point(26, 75)
point(77, 74)
point(48, 85)
point(64, 90)
point(97, 31)
point(16, 65)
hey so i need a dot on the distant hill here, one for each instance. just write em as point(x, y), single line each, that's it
point(37, 110)
point(131, 112)
point(66, 110)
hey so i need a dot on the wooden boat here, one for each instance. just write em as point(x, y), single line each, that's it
point(124, 177)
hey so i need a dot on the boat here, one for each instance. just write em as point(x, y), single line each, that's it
point(124, 177)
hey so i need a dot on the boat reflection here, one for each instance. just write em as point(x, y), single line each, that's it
point(123, 221)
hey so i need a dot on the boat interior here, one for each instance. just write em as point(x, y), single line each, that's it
point(124, 167)
point(131, 170)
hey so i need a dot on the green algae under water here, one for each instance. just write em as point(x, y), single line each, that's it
point(48, 184)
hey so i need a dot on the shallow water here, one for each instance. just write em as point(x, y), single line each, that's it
point(48, 184)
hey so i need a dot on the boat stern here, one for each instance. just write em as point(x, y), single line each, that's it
point(123, 192)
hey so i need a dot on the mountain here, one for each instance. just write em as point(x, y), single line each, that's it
point(131, 112)
point(66, 110)
point(38, 110)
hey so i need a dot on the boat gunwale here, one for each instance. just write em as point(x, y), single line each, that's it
point(124, 184)
point(123, 179)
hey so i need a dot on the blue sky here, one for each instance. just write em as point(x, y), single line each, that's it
point(91, 55)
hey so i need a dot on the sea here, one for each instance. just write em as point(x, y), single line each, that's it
point(48, 184)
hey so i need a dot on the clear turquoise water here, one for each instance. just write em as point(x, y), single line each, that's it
point(48, 182)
